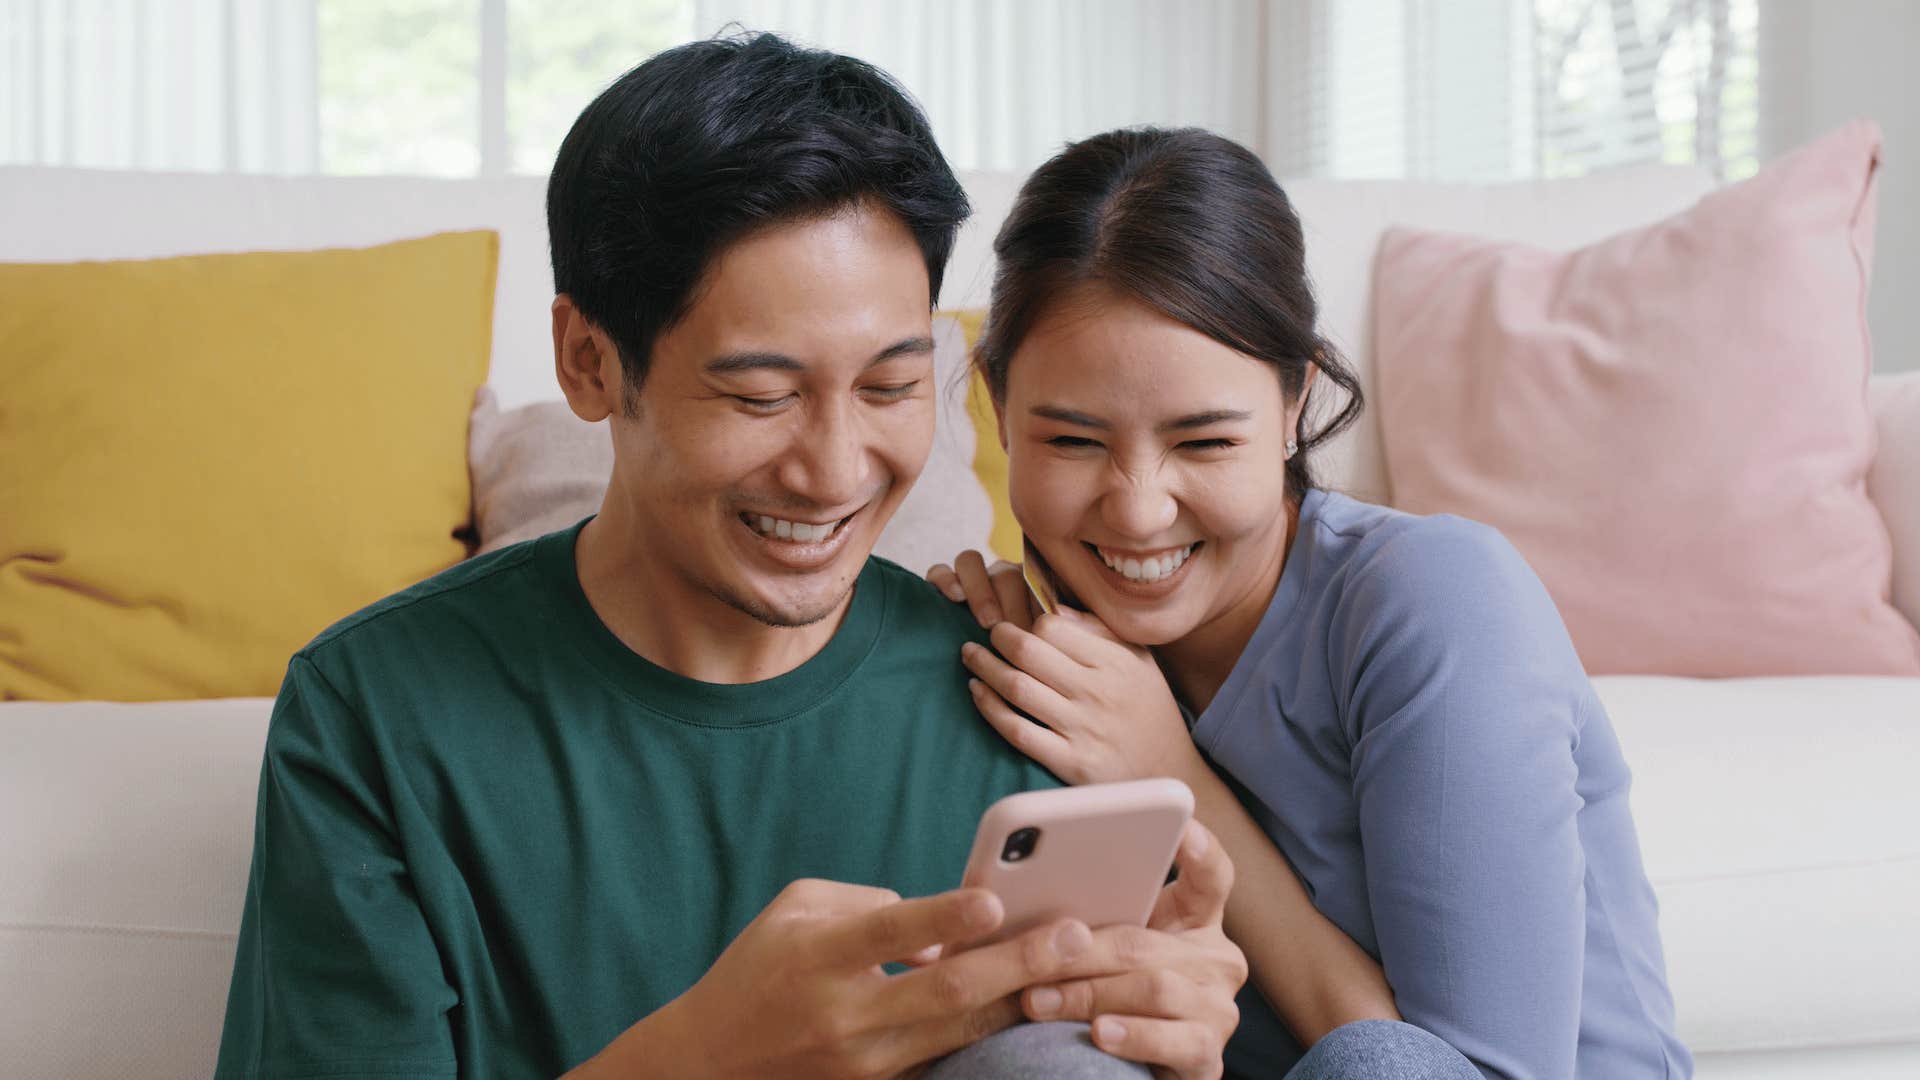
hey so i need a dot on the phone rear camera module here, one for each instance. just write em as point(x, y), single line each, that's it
point(1020, 844)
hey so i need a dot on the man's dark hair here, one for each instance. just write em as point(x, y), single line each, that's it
point(710, 141)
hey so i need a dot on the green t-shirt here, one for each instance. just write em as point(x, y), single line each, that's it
point(490, 837)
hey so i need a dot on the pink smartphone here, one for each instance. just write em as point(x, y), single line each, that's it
point(1099, 853)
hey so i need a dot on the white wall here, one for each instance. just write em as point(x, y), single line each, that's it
point(1822, 63)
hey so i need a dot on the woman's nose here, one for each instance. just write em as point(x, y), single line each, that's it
point(1138, 508)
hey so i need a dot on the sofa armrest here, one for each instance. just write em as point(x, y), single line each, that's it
point(1894, 481)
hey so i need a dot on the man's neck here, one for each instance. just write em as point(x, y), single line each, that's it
point(677, 624)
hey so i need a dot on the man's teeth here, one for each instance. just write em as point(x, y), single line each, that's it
point(797, 531)
point(1152, 569)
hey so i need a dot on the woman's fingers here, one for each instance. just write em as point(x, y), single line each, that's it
point(942, 577)
point(1037, 657)
point(1031, 739)
point(982, 600)
point(1010, 589)
point(1023, 691)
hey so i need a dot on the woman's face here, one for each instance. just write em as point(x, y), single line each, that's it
point(1148, 464)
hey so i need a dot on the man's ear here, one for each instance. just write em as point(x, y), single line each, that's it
point(586, 362)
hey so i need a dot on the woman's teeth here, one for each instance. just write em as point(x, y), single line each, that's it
point(798, 531)
point(1151, 569)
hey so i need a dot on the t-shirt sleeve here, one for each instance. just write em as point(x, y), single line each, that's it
point(1464, 717)
point(336, 973)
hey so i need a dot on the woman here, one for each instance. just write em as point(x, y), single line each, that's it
point(1390, 702)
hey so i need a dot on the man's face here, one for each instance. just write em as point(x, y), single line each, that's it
point(783, 420)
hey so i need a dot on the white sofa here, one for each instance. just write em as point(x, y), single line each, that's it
point(1780, 824)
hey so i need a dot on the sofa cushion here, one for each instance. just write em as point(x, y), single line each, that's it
point(123, 866)
point(1671, 425)
point(1894, 482)
point(1776, 817)
point(206, 460)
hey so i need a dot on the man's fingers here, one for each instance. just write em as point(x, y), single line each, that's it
point(964, 982)
point(1158, 992)
point(981, 598)
point(942, 577)
point(1191, 1050)
point(821, 899)
point(1199, 896)
point(894, 932)
point(942, 1035)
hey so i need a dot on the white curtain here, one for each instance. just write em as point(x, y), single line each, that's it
point(1431, 89)
point(1506, 89)
point(221, 85)
point(1007, 82)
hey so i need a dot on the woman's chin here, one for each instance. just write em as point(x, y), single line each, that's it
point(1140, 624)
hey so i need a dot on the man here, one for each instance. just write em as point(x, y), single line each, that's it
point(642, 797)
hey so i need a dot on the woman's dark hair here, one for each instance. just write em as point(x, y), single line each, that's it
point(710, 141)
point(1188, 223)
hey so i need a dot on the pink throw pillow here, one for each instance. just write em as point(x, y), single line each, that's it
point(1671, 425)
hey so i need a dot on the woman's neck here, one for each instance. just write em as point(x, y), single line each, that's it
point(1197, 665)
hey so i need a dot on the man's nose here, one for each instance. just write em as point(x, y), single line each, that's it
point(829, 463)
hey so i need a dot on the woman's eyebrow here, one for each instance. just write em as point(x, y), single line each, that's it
point(1205, 419)
point(1068, 416)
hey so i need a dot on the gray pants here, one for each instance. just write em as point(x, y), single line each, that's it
point(1367, 1050)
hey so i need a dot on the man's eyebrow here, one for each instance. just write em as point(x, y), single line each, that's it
point(736, 362)
point(904, 347)
point(1205, 419)
point(1068, 416)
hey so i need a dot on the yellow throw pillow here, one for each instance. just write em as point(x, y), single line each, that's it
point(989, 460)
point(206, 460)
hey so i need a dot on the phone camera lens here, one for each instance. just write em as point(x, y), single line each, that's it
point(1020, 844)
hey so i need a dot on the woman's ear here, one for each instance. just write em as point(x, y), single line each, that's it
point(586, 362)
point(1299, 405)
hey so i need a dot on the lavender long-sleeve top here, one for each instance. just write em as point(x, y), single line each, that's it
point(1412, 728)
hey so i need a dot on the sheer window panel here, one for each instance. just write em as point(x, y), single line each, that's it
point(561, 53)
point(1480, 90)
point(1007, 83)
point(399, 87)
point(202, 85)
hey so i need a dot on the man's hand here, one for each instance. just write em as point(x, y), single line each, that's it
point(801, 991)
point(1165, 993)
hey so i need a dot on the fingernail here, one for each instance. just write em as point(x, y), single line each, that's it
point(990, 616)
point(973, 687)
point(1071, 940)
point(1109, 1031)
point(967, 649)
point(956, 594)
point(1045, 1001)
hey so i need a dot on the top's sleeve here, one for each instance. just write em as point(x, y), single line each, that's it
point(336, 973)
point(1464, 716)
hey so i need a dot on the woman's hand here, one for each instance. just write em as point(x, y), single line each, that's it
point(1107, 709)
point(992, 593)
